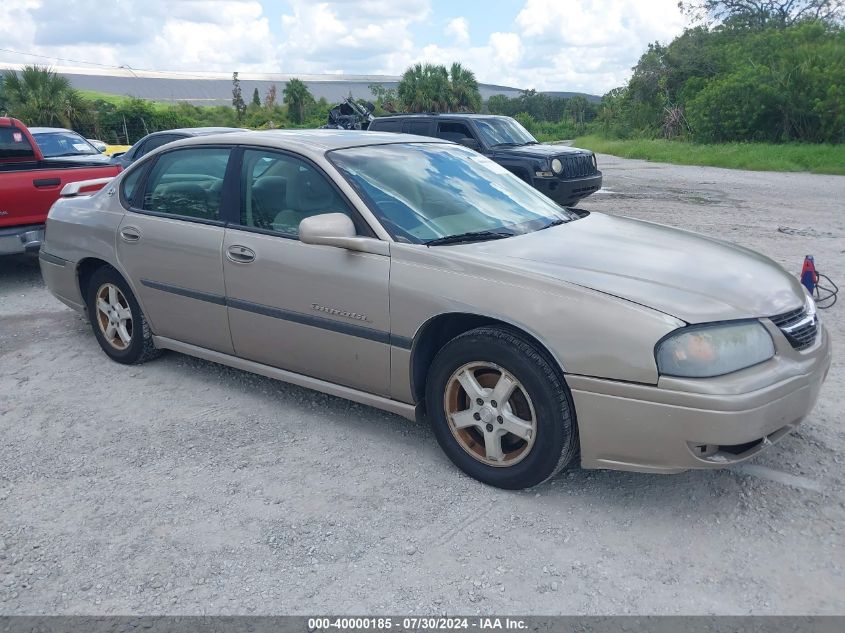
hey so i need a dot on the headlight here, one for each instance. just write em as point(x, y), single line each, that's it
point(595, 162)
point(713, 350)
point(557, 166)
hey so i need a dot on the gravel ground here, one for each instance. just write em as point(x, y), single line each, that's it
point(185, 487)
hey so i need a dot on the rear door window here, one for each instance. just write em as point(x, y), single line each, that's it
point(387, 126)
point(187, 183)
point(420, 127)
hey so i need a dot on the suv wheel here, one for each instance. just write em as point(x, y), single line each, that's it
point(500, 410)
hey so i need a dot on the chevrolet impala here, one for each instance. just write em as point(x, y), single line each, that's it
point(417, 276)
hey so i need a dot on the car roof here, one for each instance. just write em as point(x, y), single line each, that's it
point(310, 141)
point(44, 130)
point(199, 131)
point(458, 115)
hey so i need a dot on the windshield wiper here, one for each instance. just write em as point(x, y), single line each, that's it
point(70, 154)
point(531, 143)
point(557, 222)
point(503, 144)
point(477, 236)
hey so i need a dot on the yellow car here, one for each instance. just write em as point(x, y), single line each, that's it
point(111, 150)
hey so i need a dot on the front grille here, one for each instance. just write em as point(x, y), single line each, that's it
point(800, 327)
point(577, 166)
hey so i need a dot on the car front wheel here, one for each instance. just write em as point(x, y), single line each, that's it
point(500, 410)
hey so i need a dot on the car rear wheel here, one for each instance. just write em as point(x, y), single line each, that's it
point(119, 324)
point(500, 409)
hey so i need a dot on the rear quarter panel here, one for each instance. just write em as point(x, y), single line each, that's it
point(81, 228)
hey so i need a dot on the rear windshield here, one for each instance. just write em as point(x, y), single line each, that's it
point(13, 144)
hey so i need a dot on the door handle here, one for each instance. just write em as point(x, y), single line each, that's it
point(130, 234)
point(240, 254)
point(41, 183)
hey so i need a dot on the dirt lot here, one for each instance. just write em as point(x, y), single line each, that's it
point(185, 487)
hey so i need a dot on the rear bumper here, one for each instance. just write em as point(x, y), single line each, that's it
point(568, 192)
point(21, 239)
point(643, 428)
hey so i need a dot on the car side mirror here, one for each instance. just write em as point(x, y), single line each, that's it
point(338, 230)
point(471, 143)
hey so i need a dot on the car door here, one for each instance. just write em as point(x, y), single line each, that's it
point(315, 310)
point(420, 126)
point(170, 244)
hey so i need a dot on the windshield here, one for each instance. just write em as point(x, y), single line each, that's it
point(422, 192)
point(55, 144)
point(503, 131)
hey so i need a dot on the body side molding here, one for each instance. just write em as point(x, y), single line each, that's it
point(362, 397)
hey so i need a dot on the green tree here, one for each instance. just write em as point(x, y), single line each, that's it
point(39, 96)
point(270, 97)
point(500, 104)
point(256, 100)
point(465, 95)
point(237, 97)
point(425, 88)
point(761, 14)
point(577, 107)
point(387, 101)
point(298, 99)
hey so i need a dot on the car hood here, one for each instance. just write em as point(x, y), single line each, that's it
point(540, 151)
point(686, 275)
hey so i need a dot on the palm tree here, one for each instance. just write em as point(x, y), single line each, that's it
point(39, 96)
point(464, 88)
point(298, 98)
point(425, 88)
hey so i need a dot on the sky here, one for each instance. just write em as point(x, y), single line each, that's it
point(569, 45)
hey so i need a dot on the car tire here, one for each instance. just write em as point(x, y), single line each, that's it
point(116, 317)
point(521, 440)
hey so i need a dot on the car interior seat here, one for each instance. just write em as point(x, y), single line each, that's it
point(269, 199)
point(186, 198)
point(307, 194)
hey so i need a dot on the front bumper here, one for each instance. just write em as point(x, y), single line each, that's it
point(671, 427)
point(567, 192)
point(21, 239)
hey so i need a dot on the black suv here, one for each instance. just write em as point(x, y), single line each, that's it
point(564, 174)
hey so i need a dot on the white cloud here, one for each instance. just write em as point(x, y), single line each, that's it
point(361, 36)
point(160, 35)
point(506, 48)
point(590, 45)
point(584, 45)
point(458, 29)
point(578, 45)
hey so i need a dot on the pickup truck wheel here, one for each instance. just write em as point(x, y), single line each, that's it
point(119, 324)
point(500, 410)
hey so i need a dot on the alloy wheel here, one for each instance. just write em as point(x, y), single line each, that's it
point(490, 414)
point(114, 316)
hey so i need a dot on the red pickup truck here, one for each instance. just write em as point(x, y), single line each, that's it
point(30, 184)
